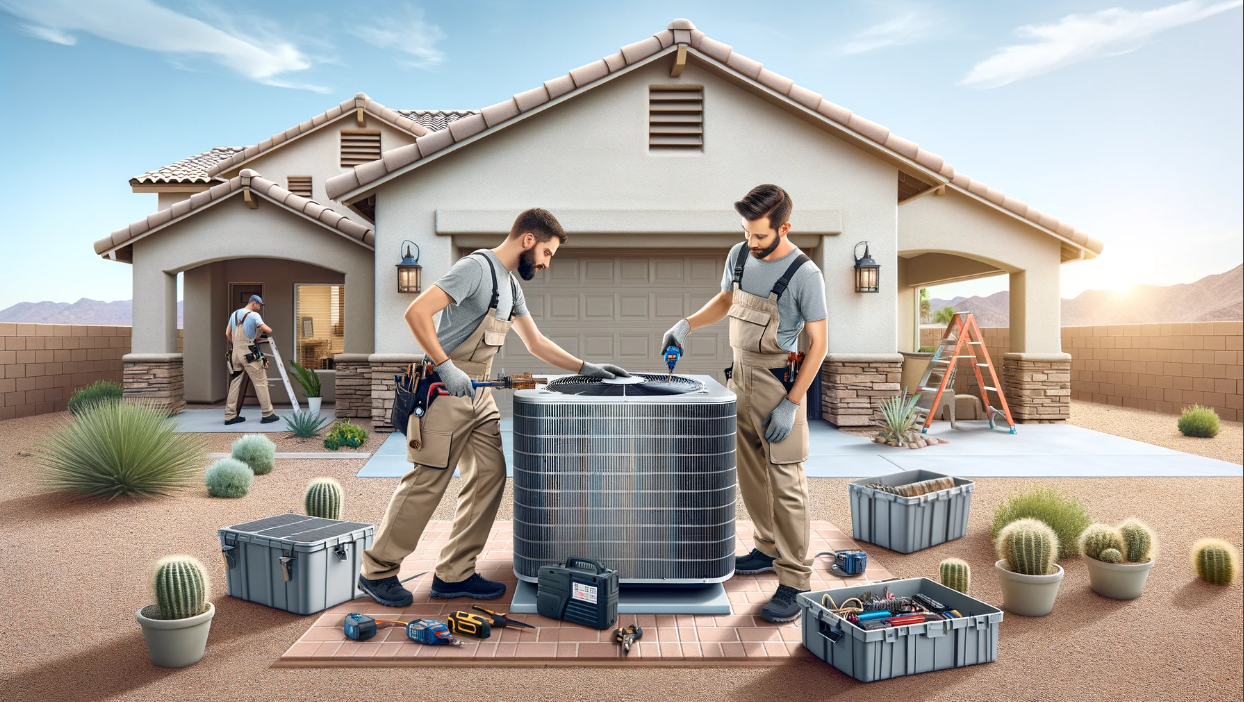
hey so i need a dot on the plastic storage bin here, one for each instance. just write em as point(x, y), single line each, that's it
point(294, 562)
point(907, 524)
point(869, 656)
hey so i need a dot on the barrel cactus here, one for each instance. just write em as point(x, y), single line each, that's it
point(1137, 541)
point(1098, 538)
point(955, 574)
point(323, 498)
point(180, 585)
point(1028, 546)
point(1110, 555)
point(1216, 561)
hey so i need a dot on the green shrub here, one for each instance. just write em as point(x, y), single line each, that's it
point(229, 477)
point(899, 414)
point(305, 423)
point(120, 448)
point(93, 394)
point(1201, 422)
point(344, 433)
point(308, 379)
point(1067, 516)
point(256, 451)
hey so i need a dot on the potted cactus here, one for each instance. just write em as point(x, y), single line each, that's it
point(1026, 568)
point(176, 626)
point(1118, 558)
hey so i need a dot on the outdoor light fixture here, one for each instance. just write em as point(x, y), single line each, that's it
point(408, 270)
point(867, 271)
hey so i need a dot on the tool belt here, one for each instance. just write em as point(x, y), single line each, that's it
point(414, 392)
point(785, 375)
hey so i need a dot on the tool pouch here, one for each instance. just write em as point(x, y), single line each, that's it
point(404, 399)
point(785, 377)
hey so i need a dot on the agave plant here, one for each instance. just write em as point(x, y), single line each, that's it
point(899, 414)
point(305, 423)
point(308, 379)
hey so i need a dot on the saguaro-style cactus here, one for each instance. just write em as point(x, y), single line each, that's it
point(180, 584)
point(1216, 561)
point(955, 574)
point(1110, 555)
point(1028, 546)
point(1137, 541)
point(323, 498)
point(1098, 538)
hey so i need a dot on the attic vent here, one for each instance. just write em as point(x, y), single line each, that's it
point(359, 146)
point(300, 185)
point(675, 118)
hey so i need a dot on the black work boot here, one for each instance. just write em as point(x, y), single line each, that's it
point(783, 607)
point(236, 420)
point(270, 419)
point(476, 587)
point(754, 562)
point(387, 591)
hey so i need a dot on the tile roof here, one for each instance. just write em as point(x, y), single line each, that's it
point(189, 170)
point(682, 32)
point(436, 119)
point(258, 185)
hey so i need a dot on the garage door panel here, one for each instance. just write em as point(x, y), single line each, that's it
point(599, 346)
point(535, 305)
point(705, 270)
point(600, 271)
point(671, 307)
point(634, 270)
point(669, 270)
point(598, 307)
point(564, 270)
point(633, 307)
point(564, 306)
point(637, 346)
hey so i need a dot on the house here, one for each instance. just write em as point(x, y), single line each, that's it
point(640, 155)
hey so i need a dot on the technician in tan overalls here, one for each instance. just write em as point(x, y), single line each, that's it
point(244, 327)
point(772, 293)
point(463, 429)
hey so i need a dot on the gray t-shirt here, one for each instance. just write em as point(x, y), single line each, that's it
point(803, 301)
point(250, 323)
point(470, 286)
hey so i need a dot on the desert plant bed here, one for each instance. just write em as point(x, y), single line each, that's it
point(911, 510)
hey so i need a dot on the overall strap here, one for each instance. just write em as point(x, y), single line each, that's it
point(239, 322)
point(513, 297)
point(488, 263)
point(780, 286)
point(740, 260)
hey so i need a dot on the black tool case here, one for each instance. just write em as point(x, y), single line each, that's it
point(581, 592)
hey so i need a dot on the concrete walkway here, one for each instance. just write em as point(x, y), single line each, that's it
point(213, 421)
point(1034, 451)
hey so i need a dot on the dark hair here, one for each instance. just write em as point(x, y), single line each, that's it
point(539, 222)
point(766, 201)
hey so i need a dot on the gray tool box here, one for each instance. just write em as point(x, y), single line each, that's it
point(294, 562)
point(880, 654)
point(907, 524)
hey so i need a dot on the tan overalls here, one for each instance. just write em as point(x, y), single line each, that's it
point(462, 432)
point(771, 477)
point(257, 370)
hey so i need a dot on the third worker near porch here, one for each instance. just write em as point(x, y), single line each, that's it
point(772, 293)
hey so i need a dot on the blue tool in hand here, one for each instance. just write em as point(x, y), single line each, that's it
point(672, 353)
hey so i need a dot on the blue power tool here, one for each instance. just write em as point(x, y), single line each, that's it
point(672, 353)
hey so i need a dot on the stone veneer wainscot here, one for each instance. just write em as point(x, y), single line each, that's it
point(353, 391)
point(855, 384)
point(383, 367)
point(1037, 387)
point(156, 377)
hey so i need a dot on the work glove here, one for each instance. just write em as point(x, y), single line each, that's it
point(676, 336)
point(605, 371)
point(456, 382)
point(780, 420)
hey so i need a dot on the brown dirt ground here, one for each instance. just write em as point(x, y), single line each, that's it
point(1158, 429)
point(1182, 640)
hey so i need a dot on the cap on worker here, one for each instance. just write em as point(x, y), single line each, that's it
point(257, 300)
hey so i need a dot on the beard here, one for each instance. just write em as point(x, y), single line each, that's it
point(527, 264)
point(766, 250)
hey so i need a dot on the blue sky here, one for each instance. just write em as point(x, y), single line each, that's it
point(1123, 118)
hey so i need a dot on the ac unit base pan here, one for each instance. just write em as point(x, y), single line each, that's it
point(645, 599)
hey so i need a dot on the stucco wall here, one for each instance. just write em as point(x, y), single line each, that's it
point(591, 152)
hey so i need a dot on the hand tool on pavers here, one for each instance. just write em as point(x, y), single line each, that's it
point(627, 636)
point(500, 621)
point(957, 341)
point(280, 366)
point(360, 627)
point(470, 625)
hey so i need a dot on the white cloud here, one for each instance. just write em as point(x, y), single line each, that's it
point(408, 32)
point(1077, 38)
point(48, 34)
point(908, 28)
point(146, 25)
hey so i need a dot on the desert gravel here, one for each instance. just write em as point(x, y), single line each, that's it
point(1158, 429)
point(74, 573)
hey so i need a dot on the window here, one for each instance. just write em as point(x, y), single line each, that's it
point(675, 118)
point(359, 146)
point(300, 185)
point(319, 324)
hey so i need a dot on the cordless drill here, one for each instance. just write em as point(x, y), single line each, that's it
point(672, 353)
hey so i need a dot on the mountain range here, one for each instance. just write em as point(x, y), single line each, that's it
point(84, 311)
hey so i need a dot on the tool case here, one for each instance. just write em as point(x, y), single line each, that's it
point(294, 562)
point(893, 652)
point(581, 592)
point(908, 524)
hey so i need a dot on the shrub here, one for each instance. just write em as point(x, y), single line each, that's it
point(323, 498)
point(120, 448)
point(308, 379)
point(93, 394)
point(229, 477)
point(256, 451)
point(344, 433)
point(899, 414)
point(1201, 422)
point(1067, 516)
point(180, 585)
point(305, 423)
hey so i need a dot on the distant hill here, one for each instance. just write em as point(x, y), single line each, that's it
point(1214, 298)
point(84, 311)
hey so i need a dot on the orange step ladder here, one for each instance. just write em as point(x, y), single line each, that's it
point(961, 335)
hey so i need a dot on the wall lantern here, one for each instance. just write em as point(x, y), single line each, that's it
point(409, 269)
point(867, 271)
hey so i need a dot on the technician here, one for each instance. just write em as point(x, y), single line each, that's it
point(241, 331)
point(771, 292)
point(478, 300)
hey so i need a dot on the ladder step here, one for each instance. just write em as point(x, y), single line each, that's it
point(989, 388)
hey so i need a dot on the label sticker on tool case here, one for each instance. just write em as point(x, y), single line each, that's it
point(586, 593)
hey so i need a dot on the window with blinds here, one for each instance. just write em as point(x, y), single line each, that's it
point(359, 146)
point(300, 185)
point(675, 118)
point(319, 323)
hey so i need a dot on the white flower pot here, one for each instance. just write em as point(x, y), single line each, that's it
point(176, 643)
point(313, 404)
point(1028, 595)
point(1118, 581)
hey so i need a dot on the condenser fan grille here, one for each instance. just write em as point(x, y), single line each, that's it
point(650, 384)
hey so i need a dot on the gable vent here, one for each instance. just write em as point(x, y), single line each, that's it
point(675, 118)
point(359, 146)
point(300, 185)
